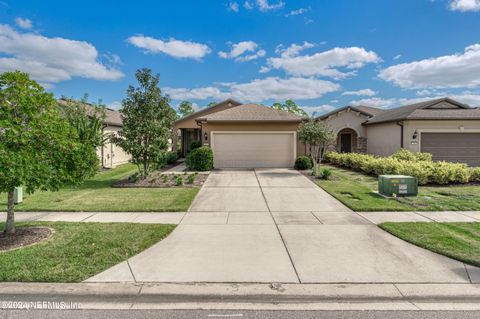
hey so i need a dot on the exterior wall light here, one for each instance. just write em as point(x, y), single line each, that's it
point(205, 136)
point(415, 134)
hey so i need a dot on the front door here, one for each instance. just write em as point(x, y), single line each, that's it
point(346, 143)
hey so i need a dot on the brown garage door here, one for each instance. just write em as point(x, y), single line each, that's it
point(453, 147)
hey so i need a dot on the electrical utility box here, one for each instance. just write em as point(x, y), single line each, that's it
point(18, 195)
point(400, 185)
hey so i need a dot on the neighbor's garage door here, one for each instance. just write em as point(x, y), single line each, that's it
point(252, 149)
point(453, 147)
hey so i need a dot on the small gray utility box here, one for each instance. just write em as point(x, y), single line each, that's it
point(400, 185)
point(18, 195)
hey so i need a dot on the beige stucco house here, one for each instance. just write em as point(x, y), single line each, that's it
point(447, 129)
point(243, 135)
point(252, 135)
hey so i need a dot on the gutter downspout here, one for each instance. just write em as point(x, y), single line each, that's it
point(401, 133)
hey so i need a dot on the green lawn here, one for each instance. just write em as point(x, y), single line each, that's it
point(77, 251)
point(459, 241)
point(356, 190)
point(97, 194)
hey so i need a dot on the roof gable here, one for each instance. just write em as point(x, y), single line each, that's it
point(251, 113)
point(210, 109)
point(367, 111)
point(431, 109)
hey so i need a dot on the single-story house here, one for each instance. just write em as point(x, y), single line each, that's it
point(252, 135)
point(110, 155)
point(447, 129)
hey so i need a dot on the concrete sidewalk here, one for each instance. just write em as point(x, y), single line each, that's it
point(440, 217)
point(99, 217)
point(411, 297)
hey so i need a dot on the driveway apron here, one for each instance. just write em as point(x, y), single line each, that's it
point(275, 225)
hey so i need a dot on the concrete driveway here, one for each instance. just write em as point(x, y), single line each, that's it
point(275, 225)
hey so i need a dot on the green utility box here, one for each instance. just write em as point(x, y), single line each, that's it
point(400, 185)
point(17, 195)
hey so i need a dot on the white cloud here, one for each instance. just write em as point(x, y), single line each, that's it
point(248, 5)
point(238, 49)
point(449, 71)
point(259, 90)
point(24, 23)
point(172, 47)
point(375, 102)
point(297, 12)
point(464, 5)
point(233, 6)
point(364, 92)
point(318, 110)
point(264, 5)
point(398, 56)
point(470, 98)
point(326, 63)
point(51, 60)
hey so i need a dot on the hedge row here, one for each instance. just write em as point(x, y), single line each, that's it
point(404, 162)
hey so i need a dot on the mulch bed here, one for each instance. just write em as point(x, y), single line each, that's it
point(308, 174)
point(23, 237)
point(162, 180)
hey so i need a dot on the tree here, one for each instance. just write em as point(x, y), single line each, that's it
point(317, 136)
point(147, 122)
point(39, 149)
point(87, 119)
point(185, 108)
point(212, 103)
point(291, 107)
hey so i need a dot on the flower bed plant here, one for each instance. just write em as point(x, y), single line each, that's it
point(404, 162)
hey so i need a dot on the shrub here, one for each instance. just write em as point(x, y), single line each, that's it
point(178, 180)
point(325, 173)
point(303, 162)
point(475, 174)
point(407, 155)
point(165, 179)
point(195, 145)
point(171, 157)
point(135, 177)
point(191, 178)
point(405, 162)
point(200, 159)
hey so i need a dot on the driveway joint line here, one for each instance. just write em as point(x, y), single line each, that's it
point(278, 229)
point(315, 216)
point(131, 271)
point(468, 274)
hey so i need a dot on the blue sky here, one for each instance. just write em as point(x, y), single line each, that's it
point(323, 54)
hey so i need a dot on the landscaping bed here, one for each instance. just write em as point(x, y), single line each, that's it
point(77, 251)
point(24, 237)
point(460, 241)
point(164, 180)
point(358, 191)
point(98, 195)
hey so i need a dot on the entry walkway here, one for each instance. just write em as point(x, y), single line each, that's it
point(275, 225)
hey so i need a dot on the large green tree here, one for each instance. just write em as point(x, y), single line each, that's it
point(317, 136)
point(185, 108)
point(291, 107)
point(39, 149)
point(147, 122)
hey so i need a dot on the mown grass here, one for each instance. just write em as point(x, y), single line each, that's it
point(77, 251)
point(96, 195)
point(357, 191)
point(460, 241)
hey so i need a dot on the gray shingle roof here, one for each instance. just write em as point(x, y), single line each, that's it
point(425, 110)
point(251, 112)
point(112, 117)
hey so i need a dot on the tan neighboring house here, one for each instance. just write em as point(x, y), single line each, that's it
point(243, 135)
point(447, 129)
point(110, 155)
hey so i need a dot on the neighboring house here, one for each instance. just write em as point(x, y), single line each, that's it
point(110, 155)
point(243, 135)
point(447, 129)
